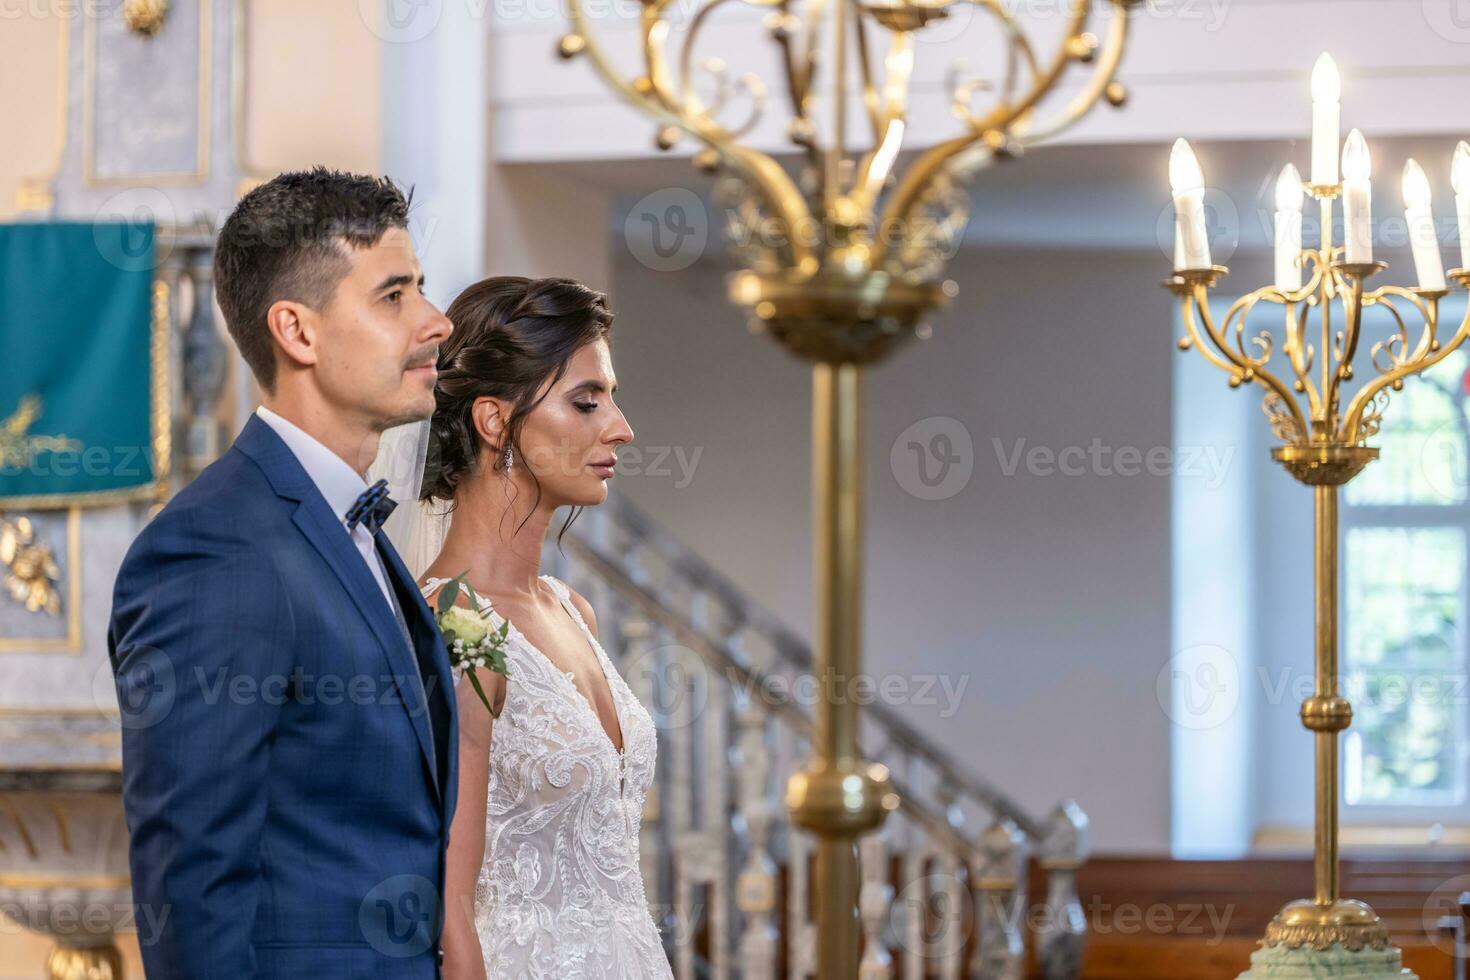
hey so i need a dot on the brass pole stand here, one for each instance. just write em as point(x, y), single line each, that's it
point(838, 796)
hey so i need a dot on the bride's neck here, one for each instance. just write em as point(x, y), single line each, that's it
point(488, 539)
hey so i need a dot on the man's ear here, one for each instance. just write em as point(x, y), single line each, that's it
point(295, 329)
point(490, 415)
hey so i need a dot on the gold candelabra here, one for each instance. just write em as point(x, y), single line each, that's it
point(841, 255)
point(1324, 445)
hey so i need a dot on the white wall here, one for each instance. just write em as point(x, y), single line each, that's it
point(1218, 434)
point(1214, 69)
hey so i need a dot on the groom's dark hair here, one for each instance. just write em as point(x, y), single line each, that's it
point(285, 240)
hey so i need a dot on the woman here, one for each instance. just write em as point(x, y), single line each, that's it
point(543, 872)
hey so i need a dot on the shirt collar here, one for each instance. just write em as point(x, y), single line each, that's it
point(337, 482)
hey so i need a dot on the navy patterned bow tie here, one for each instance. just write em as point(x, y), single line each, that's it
point(372, 508)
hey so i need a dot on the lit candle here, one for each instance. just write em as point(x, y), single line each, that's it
point(1460, 180)
point(1288, 229)
point(1326, 117)
point(1419, 212)
point(1191, 244)
point(1357, 199)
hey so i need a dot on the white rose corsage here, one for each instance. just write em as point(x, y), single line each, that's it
point(469, 636)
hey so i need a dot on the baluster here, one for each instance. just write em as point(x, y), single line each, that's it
point(1063, 849)
point(914, 898)
point(1000, 953)
point(715, 813)
point(206, 365)
point(801, 930)
point(954, 885)
point(955, 911)
point(687, 842)
point(633, 551)
point(755, 889)
point(874, 901)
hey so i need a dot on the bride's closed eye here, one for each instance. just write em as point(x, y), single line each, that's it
point(586, 407)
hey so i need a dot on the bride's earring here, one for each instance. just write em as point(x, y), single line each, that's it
point(508, 459)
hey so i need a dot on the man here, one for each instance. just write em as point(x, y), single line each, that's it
point(289, 765)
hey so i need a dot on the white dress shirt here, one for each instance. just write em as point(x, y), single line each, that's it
point(338, 483)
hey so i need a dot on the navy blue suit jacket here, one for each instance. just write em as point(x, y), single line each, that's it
point(285, 818)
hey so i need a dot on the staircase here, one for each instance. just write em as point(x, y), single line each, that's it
point(944, 890)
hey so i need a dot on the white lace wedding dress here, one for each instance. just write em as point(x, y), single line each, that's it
point(560, 893)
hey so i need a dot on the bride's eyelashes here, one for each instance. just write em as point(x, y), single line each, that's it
point(586, 408)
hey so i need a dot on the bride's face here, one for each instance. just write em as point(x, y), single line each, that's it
point(570, 440)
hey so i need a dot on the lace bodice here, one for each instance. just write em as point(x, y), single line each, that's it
point(560, 893)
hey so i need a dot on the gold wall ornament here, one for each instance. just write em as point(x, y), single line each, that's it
point(1324, 426)
point(840, 261)
point(84, 963)
point(145, 17)
point(31, 570)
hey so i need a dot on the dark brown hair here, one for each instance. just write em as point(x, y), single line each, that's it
point(510, 334)
point(284, 240)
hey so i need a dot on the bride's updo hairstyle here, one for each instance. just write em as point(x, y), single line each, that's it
point(510, 334)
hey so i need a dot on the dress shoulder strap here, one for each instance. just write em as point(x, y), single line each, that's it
point(564, 593)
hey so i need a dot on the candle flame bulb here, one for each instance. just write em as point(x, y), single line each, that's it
point(1419, 214)
point(1184, 170)
point(1416, 185)
point(1191, 237)
point(1289, 189)
point(1356, 163)
point(1460, 170)
point(1326, 80)
point(1326, 120)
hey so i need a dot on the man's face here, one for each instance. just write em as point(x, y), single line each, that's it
point(380, 336)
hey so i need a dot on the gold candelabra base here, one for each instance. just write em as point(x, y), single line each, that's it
point(1346, 922)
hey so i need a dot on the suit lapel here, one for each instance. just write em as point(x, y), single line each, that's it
point(330, 539)
point(426, 636)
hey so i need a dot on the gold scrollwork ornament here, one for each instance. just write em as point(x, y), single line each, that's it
point(145, 17)
point(31, 570)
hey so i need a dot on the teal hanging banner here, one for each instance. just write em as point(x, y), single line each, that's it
point(83, 366)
